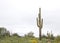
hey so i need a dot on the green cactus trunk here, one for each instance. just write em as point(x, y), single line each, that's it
point(39, 23)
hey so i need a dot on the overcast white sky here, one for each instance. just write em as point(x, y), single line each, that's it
point(19, 16)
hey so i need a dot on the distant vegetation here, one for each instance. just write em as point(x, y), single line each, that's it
point(5, 37)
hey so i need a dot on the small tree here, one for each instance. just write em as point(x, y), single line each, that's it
point(48, 35)
point(4, 32)
point(15, 34)
point(44, 36)
point(57, 39)
point(30, 34)
point(52, 37)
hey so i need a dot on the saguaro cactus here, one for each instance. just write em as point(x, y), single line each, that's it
point(39, 23)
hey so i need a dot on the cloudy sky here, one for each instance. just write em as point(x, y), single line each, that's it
point(19, 16)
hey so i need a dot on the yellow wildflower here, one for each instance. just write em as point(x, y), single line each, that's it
point(34, 41)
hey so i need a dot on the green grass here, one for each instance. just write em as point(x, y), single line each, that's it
point(15, 39)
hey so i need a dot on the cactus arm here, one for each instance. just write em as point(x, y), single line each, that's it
point(41, 24)
point(37, 22)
